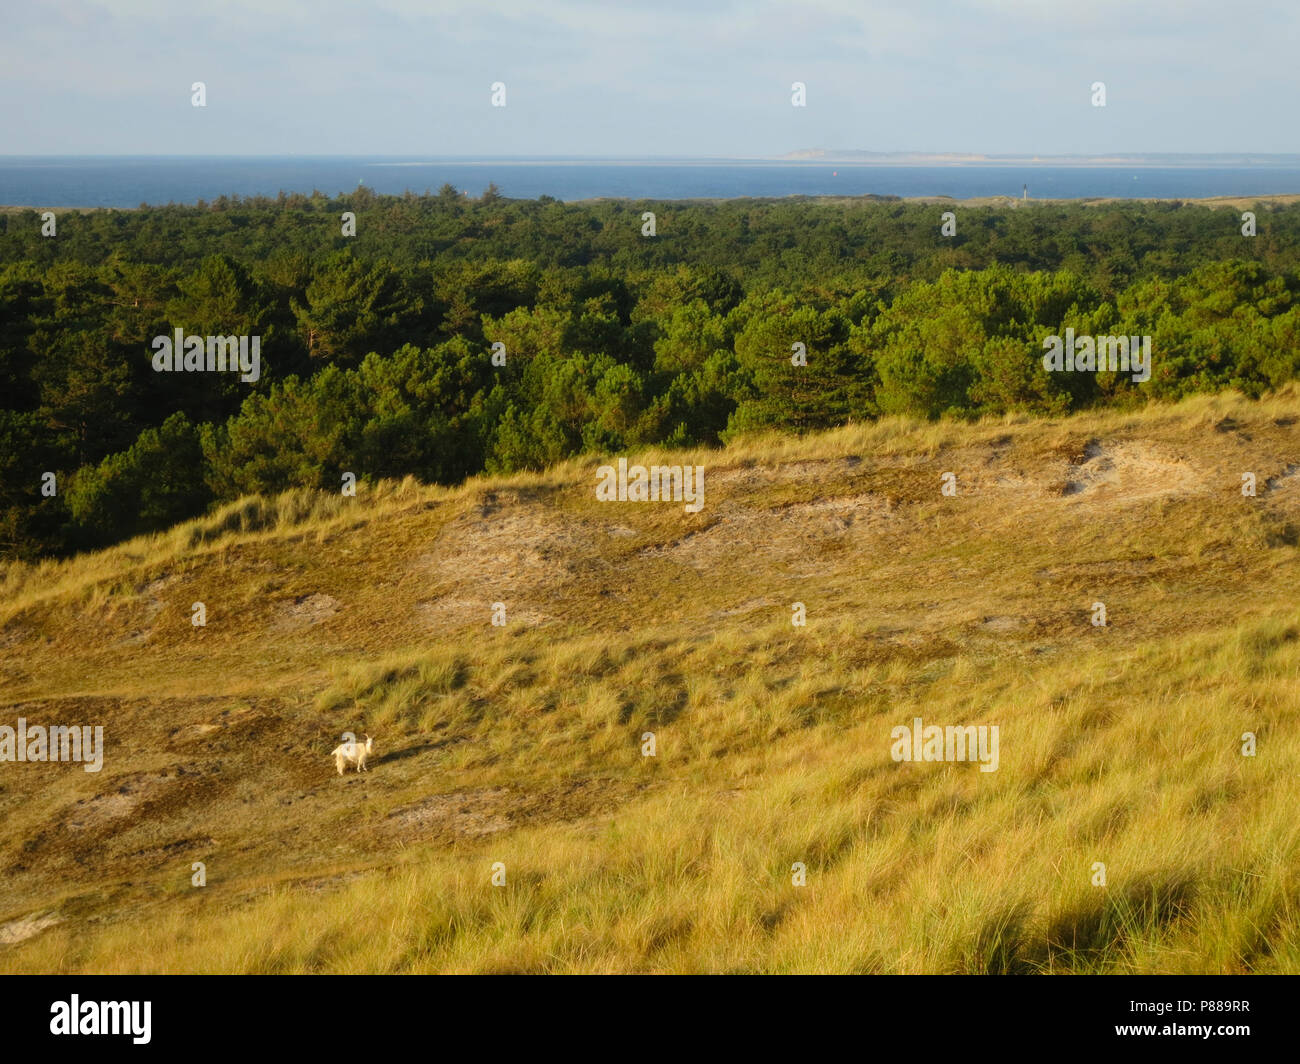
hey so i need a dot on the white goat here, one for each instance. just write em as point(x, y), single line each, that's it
point(352, 753)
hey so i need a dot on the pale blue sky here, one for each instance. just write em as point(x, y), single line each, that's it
point(646, 77)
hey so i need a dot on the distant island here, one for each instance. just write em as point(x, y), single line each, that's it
point(1150, 159)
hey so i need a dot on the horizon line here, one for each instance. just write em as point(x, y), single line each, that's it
point(806, 155)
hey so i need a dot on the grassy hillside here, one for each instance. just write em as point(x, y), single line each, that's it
point(522, 744)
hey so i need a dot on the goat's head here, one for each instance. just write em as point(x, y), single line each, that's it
point(369, 742)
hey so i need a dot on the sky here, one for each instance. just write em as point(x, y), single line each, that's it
point(646, 77)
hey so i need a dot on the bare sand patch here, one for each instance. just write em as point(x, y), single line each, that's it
point(305, 611)
point(778, 532)
point(1130, 472)
point(26, 927)
point(128, 794)
point(508, 549)
point(515, 544)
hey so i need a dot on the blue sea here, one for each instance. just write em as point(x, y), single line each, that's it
point(126, 181)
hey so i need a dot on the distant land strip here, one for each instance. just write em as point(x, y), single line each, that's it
point(1138, 159)
point(1277, 200)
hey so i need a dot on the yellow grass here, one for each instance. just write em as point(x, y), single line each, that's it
point(1119, 745)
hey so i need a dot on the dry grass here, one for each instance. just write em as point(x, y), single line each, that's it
point(522, 744)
